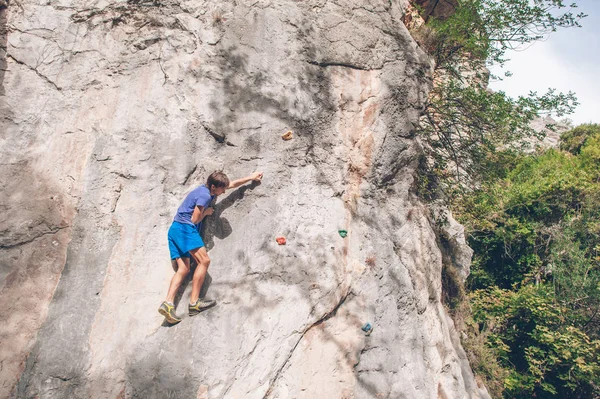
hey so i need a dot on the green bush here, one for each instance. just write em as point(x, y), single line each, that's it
point(545, 355)
point(535, 281)
point(512, 220)
point(574, 139)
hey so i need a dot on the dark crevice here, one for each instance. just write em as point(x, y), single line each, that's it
point(119, 192)
point(124, 176)
point(220, 138)
point(187, 177)
point(61, 378)
point(341, 64)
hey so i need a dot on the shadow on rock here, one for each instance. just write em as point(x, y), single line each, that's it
point(217, 225)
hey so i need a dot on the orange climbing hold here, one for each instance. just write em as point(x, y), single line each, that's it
point(280, 240)
point(287, 135)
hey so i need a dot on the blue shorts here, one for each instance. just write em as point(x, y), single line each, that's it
point(182, 239)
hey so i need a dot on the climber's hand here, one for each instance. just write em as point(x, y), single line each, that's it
point(257, 176)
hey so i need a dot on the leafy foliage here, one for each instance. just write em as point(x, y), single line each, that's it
point(574, 139)
point(486, 29)
point(513, 219)
point(533, 218)
point(535, 282)
point(547, 357)
point(464, 124)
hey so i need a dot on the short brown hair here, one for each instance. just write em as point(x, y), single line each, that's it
point(218, 179)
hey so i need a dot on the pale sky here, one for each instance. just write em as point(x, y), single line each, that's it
point(568, 60)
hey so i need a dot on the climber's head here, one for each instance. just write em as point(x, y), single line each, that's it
point(217, 182)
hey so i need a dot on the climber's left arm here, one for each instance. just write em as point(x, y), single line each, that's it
point(256, 176)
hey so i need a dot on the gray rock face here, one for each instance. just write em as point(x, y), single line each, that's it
point(113, 110)
point(551, 137)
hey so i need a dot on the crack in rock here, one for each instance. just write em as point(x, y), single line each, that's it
point(20, 243)
point(341, 64)
point(189, 175)
point(35, 70)
point(64, 379)
point(220, 138)
point(116, 201)
point(125, 176)
point(245, 360)
point(323, 319)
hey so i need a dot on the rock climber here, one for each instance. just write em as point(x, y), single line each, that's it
point(185, 241)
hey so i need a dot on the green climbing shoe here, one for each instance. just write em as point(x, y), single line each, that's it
point(200, 305)
point(168, 311)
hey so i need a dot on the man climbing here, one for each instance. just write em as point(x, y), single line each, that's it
point(185, 242)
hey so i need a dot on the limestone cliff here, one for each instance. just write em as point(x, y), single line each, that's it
point(113, 110)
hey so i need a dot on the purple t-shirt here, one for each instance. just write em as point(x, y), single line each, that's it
point(198, 197)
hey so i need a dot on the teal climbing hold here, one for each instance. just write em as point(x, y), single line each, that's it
point(343, 233)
